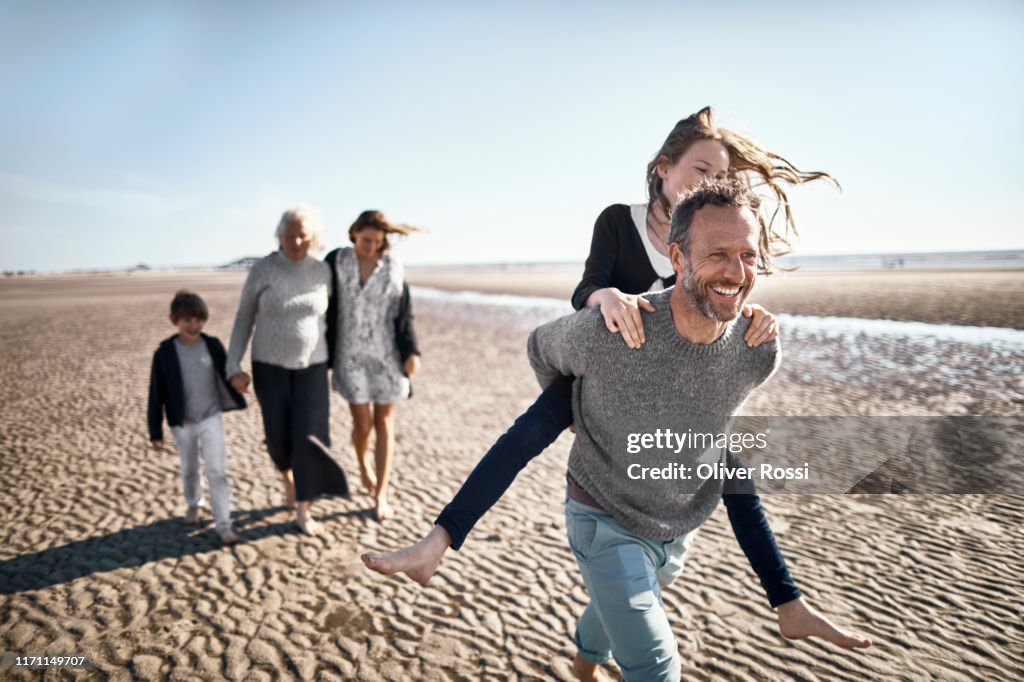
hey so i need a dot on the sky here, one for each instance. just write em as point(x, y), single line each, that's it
point(175, 133)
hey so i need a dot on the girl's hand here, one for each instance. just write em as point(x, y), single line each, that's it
point(412, 363)
point(621, 314)
point(763, 327)
point(239, 382)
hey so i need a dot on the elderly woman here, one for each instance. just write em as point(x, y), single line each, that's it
point(373, 345)
point(282, 308)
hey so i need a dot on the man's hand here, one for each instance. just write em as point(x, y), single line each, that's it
point(763, 327)
point(621, 314)
point(411, 365)
point(156, 444)
point(240, 382)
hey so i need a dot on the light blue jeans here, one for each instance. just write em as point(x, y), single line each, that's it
point(624, 573)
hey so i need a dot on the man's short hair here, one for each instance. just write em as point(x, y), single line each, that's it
point(187, 304)
point(711, 192)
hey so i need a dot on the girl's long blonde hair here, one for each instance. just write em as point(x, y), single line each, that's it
point(749, 162)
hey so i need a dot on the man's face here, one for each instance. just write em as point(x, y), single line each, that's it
point(719, 271)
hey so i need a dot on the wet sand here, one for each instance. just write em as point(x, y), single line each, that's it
point(993, 298)
point(94, 559)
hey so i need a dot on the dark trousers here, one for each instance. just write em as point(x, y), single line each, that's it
point(296, 408)
point(540, 425)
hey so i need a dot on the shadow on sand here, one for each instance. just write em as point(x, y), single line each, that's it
point(137, 546)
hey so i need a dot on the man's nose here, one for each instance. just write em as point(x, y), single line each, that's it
point(736, 270)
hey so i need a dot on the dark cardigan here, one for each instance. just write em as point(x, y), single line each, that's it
point(405, 335)
point(167, 393)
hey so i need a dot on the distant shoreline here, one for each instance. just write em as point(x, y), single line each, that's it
point(987, 298)
point(993, 298)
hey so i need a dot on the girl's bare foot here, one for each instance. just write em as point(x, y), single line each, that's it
point(798, 620)
point(289, 489)
point(227, 536)
point(192, 516)
point(586, 671)
point(417, 561)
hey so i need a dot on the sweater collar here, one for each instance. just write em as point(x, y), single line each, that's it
point(288, 262)
point(663, 314)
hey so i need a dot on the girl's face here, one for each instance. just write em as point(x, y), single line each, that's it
point(369, 241)
point(295, 241)
point(704, 159)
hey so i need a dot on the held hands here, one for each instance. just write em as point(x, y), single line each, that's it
point(763, 327)
point(621, 314)
point(411, 364)
point(239, 382)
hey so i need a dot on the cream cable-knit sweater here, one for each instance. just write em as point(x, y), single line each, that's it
point(287, 303)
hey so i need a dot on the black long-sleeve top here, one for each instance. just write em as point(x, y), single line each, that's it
point(617, 255)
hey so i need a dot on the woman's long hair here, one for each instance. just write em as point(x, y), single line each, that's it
point(376, 220)
point(749, 162)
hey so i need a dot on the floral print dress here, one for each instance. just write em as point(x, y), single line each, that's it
point(367, 364)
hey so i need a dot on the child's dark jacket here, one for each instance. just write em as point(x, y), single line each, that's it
point(167, 394)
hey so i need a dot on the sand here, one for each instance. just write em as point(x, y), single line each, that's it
point(94, 559)
point(992, 298)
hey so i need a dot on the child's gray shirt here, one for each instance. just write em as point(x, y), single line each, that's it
point(199, 379)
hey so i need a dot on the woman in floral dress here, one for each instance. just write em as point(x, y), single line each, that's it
point(372, 343)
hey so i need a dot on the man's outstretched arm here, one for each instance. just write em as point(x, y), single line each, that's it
point(561, 347)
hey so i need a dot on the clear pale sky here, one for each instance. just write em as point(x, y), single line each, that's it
point(175, 133)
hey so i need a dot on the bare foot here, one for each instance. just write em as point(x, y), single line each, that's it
point(368, 479)
point(289, 489)
point(417, 561)
point(309, 526)
point(227, 536)
point(192, 516)
point(586, 671)
point(383, 510)
point(798, 620)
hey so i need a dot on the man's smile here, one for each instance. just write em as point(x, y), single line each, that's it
point(727, 292)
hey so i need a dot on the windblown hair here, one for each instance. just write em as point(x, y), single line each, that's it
point(748, 162)
point(730, 192)
point(375, 220)
point(310, 219)
point(187, 304)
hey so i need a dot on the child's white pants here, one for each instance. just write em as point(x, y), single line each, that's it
point(206, 437)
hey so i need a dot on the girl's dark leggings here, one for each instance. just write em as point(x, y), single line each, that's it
point(540, 425)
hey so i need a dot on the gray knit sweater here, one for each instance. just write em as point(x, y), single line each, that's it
point(287, 303)
point(669, 384)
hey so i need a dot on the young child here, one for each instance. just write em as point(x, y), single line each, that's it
point(188, 383)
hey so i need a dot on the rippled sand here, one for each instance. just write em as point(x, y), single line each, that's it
point(94, 560)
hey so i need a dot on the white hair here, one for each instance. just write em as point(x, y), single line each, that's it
point(310, 219)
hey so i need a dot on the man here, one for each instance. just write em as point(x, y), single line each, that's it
point(635, 498)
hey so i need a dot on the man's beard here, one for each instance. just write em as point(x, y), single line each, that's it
point(699, 296)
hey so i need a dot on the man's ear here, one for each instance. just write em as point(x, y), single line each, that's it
point(677, 258)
